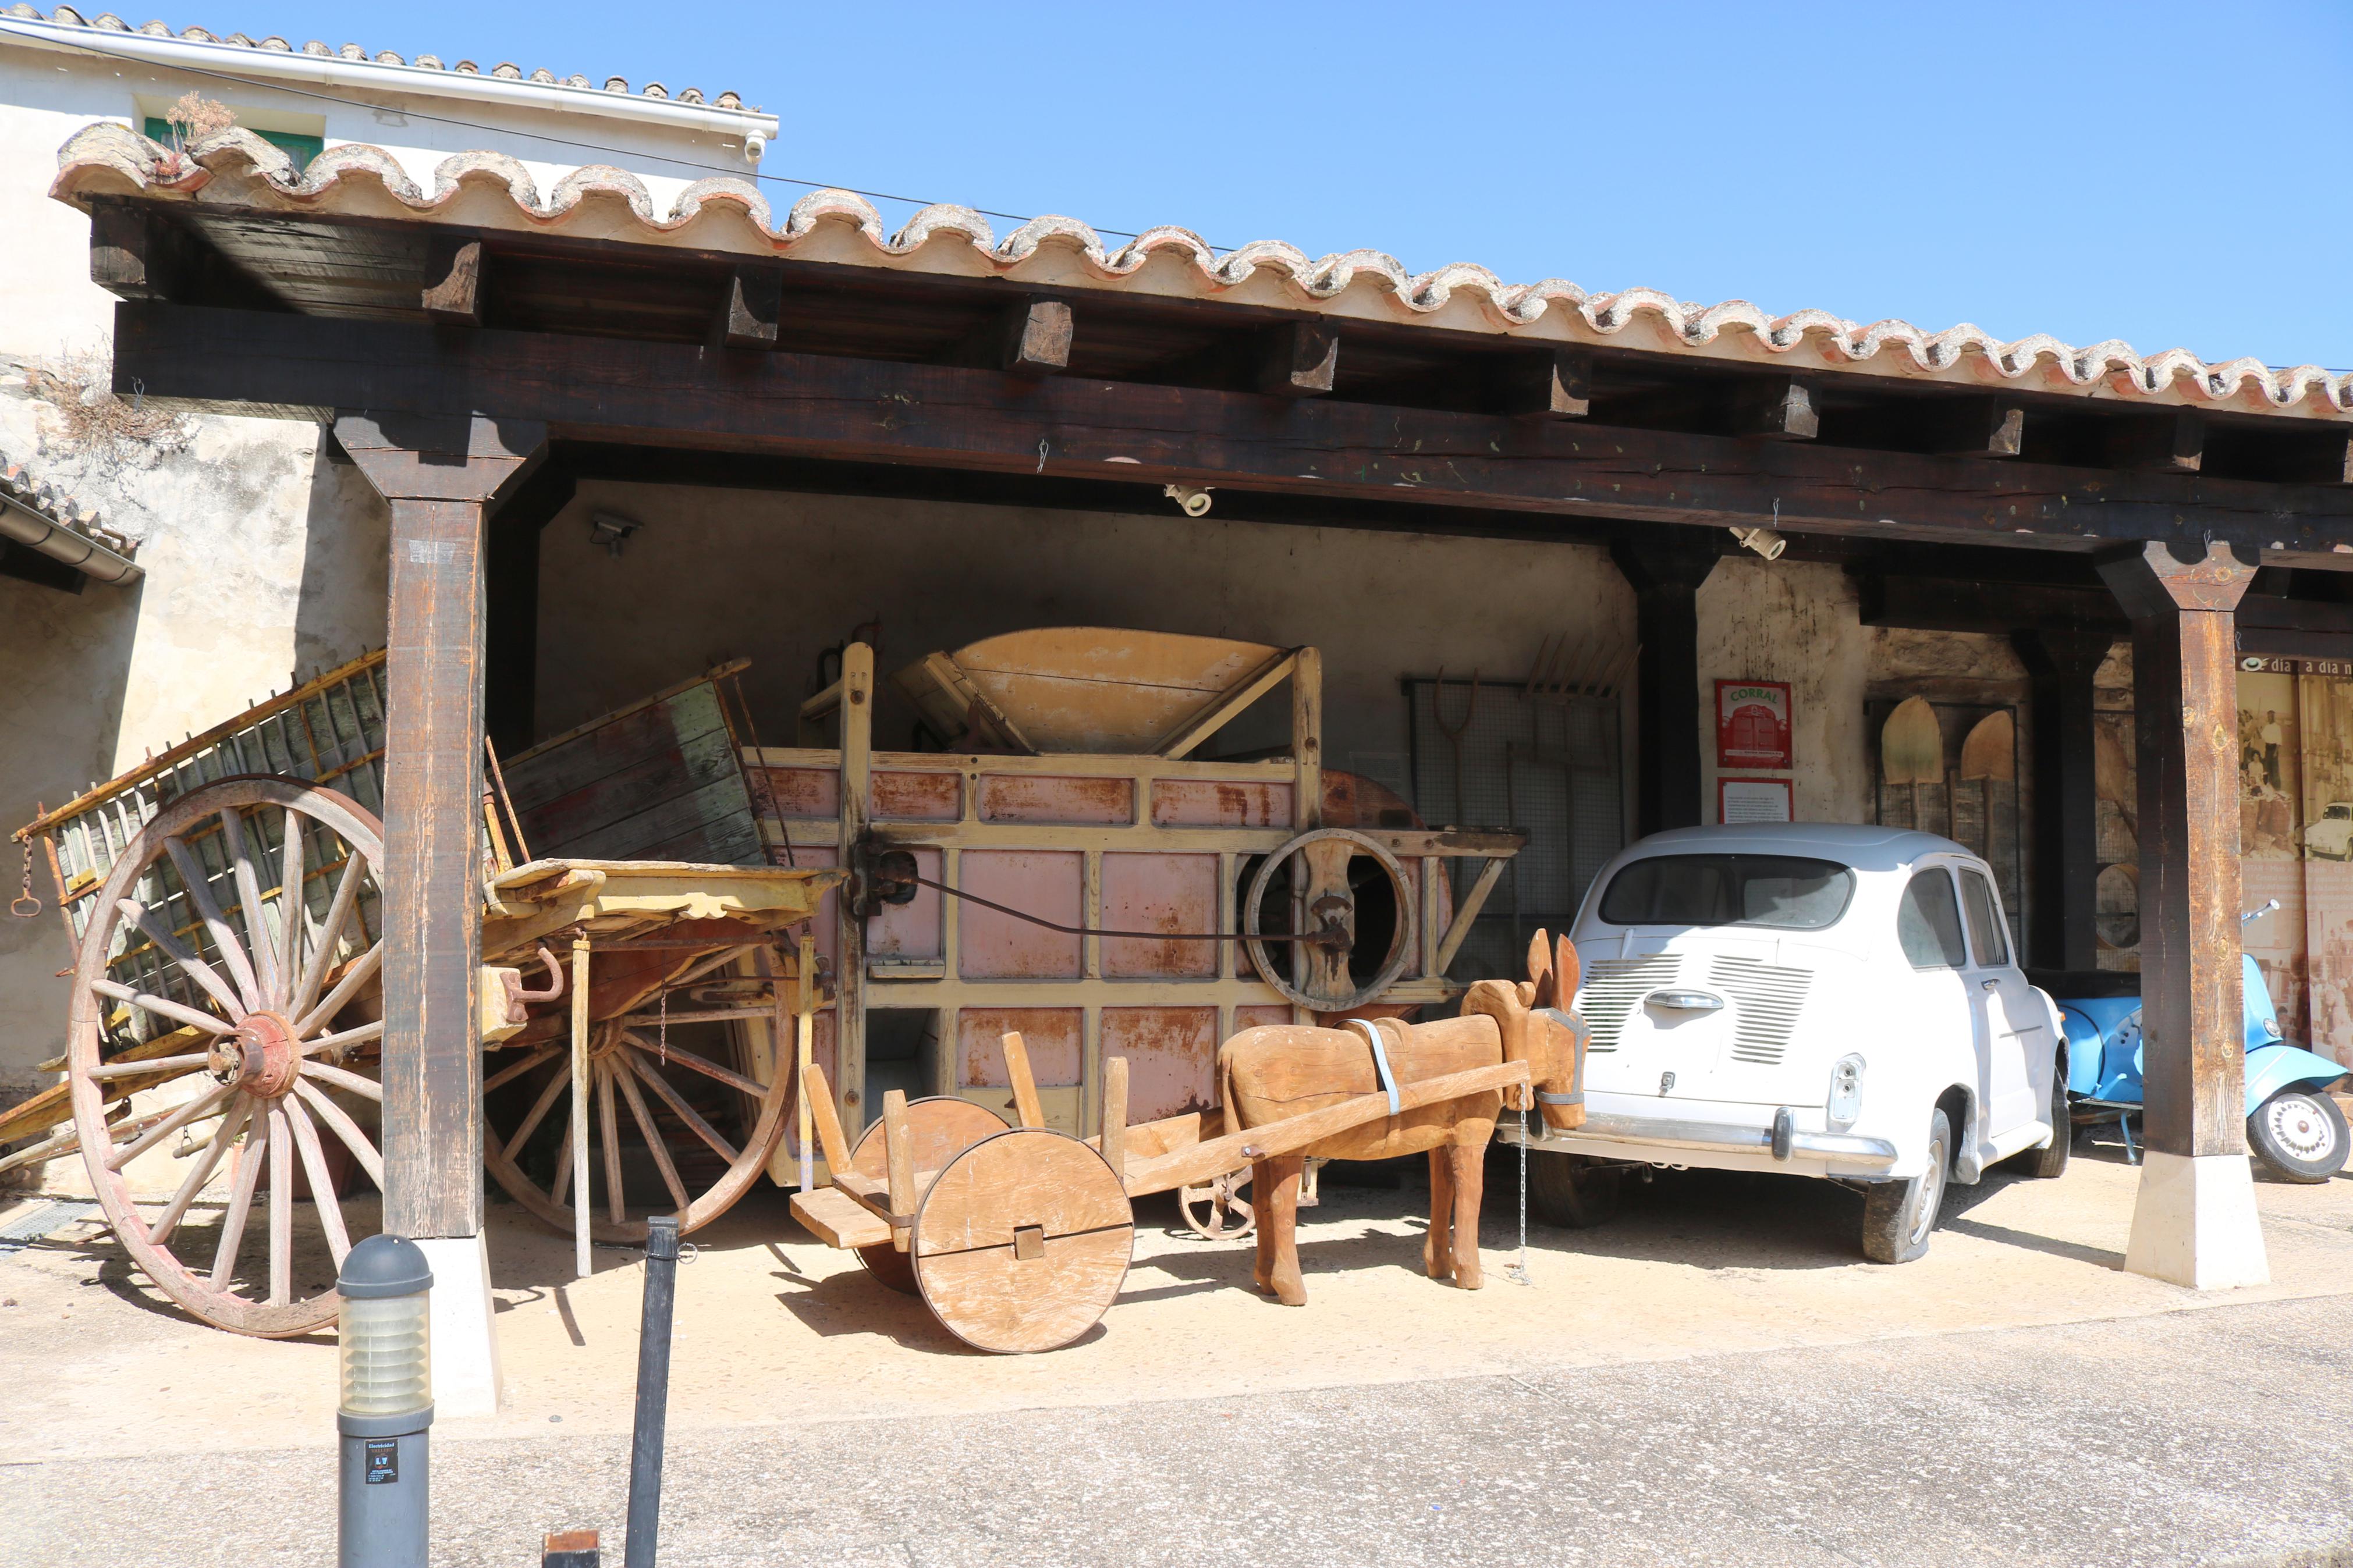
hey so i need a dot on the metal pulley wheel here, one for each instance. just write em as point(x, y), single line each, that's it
point(1219, 1209)
point(1329, 905)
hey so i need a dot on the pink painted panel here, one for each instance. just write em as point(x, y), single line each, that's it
point(918, 797)
point(1159, 893)
point(1083, 802)
point(1210, 802)
point(1172, 1054)
point(1055, 1037)
point(1049, 883)
point(910, 933)
point(800, 792)
point(1256, 1016)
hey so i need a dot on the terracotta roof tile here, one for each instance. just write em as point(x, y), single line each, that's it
point(728, 213)
point(67, 17)
point(52, 504)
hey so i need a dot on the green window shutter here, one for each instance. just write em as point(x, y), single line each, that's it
point(301, 149)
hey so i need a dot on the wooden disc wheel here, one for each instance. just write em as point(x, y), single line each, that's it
point(1323, 982)
point(664, 1121)
point(939, 1129)
point(1219, 1210)
point(194, 982)
point(1022, 1241)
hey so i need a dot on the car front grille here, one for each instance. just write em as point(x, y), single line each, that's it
point(1767, 999)
point(1611, 988)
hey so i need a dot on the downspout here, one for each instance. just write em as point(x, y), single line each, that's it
point(20, 526)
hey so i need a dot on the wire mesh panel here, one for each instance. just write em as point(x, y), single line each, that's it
point(328, 731)
point(1492, 754)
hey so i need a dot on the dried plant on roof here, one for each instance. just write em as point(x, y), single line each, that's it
point(78, 385)
point(196, 117)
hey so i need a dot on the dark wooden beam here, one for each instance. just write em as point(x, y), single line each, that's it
point(1959, 602)
point(139, 252)
point(453, 280)
point(511, 571)
point(2063, 866)
point(1975, 426)
point(2185, 663)
point(438, 474)
point(1775, 408)
point(1028, 337)
point(1554, 384)
point(1666, 568)
point(864, 410)
point(2171, 440)
point(1298, 360)
point(752, 300)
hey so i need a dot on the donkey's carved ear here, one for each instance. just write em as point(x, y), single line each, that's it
point(1565, 974)
point(1540, 968)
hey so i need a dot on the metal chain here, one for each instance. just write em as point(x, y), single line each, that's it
point(24, 906)
point(662, 1045)
point(1519, 1268)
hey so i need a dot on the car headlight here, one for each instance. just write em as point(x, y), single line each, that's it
point(1846, 1092)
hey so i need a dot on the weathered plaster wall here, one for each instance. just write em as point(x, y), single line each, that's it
point(774, 578)
point(1795, 621)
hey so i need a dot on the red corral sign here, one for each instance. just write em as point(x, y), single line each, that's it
point(1752, 724)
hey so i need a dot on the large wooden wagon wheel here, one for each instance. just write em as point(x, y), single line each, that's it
point(701, 1128)
point(939, 1127)
point(1022, 1242)
point(1324, 856)
point(243, 1001)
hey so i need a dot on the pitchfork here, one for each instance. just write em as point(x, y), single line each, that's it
point(1454, 733)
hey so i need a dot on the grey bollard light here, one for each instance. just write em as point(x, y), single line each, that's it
point(386, 1407)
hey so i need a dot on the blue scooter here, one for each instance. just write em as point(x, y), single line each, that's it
point(2293, 1126)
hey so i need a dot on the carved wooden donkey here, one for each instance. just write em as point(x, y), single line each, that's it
point(1284, 1070)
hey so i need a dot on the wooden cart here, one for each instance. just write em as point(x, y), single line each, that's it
point(1018, 1238)
point(227, 923)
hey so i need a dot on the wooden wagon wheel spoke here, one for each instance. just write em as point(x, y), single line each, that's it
point(507, 1074)
point(248, 896)
point(162, 1007)
point(609, 1123)
point(685, 1112)
point(322, 1186)
point(202, 1172)
point(355, 980)
point(240, 1206)
point(654, 1145)
point(200, 894)
point(702, 1065)
point(197, 968)
point(291, 911)
point(557, 1082)
point(331, 932)
point(277, 1078)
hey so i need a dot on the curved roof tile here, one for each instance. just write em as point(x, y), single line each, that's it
point(110, 158)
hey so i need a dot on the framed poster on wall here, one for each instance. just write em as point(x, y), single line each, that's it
point(1752, 724)
point(1753, 800)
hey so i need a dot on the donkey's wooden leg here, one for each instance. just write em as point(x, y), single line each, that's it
point(1282, 1210)
point(1469, 1163)
point(1262, 1207)
point(1437, 1246)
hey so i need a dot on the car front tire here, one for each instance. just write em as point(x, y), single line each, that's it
point(2299, 1135)
point(1567, 1191)
point(1897, 1216)
point(2049, 1164)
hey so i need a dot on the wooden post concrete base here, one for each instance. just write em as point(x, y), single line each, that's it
point(2194, 1223)
point(460, 1316)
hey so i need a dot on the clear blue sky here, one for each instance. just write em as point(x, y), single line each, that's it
point(2166, 172)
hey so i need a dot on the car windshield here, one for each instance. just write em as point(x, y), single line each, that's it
point(1780, 890)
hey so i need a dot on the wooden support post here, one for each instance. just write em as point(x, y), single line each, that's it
point(1666, 568)
point(849, 981)
point(2063, 869)
point(1298, 360)
point(805, 1053)
point(2194, 1222)
point(438, 474)
point(749, 308)
point(1029, 337)
point(582, 1264)
point(453, 280)
point(1025, 1107)
point(899, 1157)
point(1114, 1115)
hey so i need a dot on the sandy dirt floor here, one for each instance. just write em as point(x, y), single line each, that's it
point(774, 1331)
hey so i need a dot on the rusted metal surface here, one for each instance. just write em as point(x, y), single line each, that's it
point(1075, 802)
point(1159, 893)
point(1207, 802)
point(1055, 1037)
point(2185, 662)
point(917, 797)
point(1047, 883)
point(1171, 1058)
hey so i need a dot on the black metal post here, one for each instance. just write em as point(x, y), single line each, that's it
point(653, 1392)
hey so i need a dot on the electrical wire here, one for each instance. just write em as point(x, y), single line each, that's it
point(7, 26)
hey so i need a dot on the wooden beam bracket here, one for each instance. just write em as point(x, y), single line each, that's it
point(1297, 361)
point(453, 281)
point(749, 306)
point(1029, 337)
point(1775, 408)
point(1552, 384)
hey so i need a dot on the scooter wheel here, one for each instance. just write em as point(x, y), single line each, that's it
point(2299, 1135)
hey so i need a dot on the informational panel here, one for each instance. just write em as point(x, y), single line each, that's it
point(1753, 800)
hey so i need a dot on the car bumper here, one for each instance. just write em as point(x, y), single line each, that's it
point(1703, 1135)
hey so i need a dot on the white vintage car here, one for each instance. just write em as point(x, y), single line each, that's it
point(1822, 1000)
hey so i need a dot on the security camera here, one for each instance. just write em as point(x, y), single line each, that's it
point(611, 530)
point(1194, 500)
point(1764, 541)
point(754, 145)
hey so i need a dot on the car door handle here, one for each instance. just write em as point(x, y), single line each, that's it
point(1988, 985)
